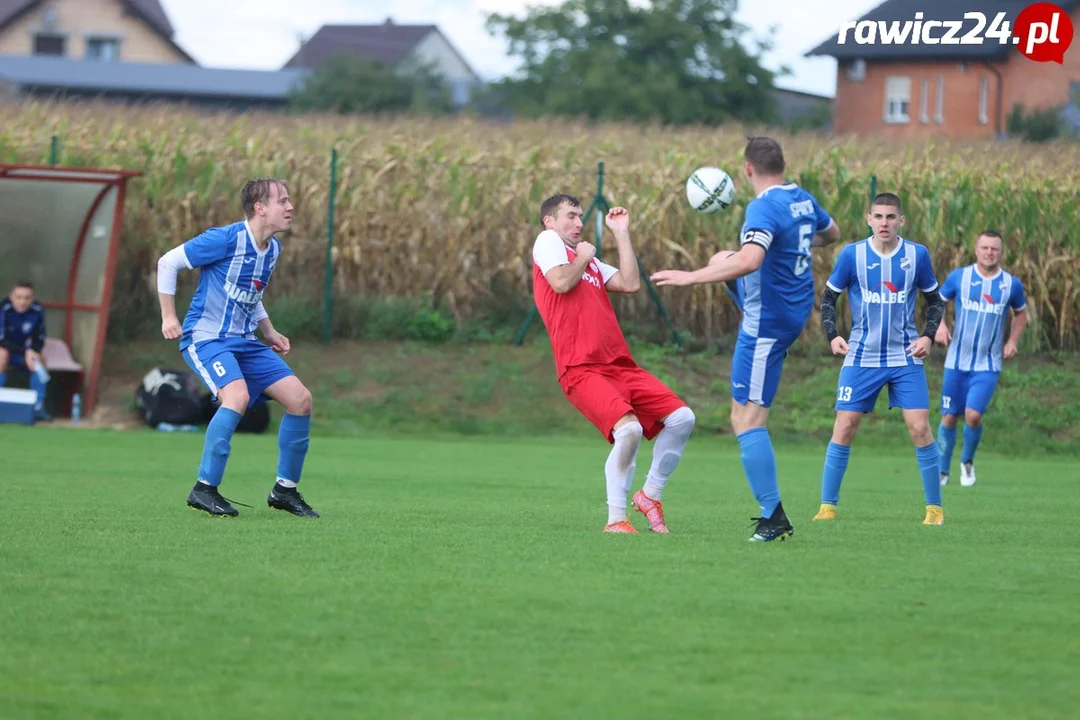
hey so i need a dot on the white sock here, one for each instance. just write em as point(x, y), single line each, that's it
point(286, 483)
point(619, 469)
point(668, 449)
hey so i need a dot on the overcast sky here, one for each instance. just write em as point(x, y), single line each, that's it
point(263, 34)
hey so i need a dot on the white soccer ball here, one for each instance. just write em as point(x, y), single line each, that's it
point(710, 189)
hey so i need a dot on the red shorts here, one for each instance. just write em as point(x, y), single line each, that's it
point(604, 393)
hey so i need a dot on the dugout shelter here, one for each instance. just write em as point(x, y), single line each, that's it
point(60, 229)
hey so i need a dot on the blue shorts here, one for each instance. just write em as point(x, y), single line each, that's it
point(756, 367)
point(858, 388)
point(17, 360)
point(219, 362)
point(961, 390)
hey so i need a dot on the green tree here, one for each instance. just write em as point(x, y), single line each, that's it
point(677, 61)
point(349, 84)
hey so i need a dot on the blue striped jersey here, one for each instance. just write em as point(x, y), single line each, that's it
point(881, 293)
point(777, 299)
point(980, 307)
point(234, 274)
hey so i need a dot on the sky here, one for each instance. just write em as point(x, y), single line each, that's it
point(264, 34)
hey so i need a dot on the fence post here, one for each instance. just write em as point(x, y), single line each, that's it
point(873, 186)
point(329, 279)
point(54, 150)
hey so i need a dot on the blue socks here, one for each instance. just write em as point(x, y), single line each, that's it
point(836, 462)
point(759, 464)
point(946, 439)
point(216, 448)
point(3, 379)
point(928, 458)
point(972, 436)
point(293, 438)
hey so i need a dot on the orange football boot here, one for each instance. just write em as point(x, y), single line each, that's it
point(653, 510)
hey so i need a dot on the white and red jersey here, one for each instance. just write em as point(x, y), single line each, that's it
point(581, 323)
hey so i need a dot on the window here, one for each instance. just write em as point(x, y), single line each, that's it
point(106, 49)
point(857, 70)
point(50, 44)
point(984, 100)
point(897, 99)
point(939, 116)
point(924, 101)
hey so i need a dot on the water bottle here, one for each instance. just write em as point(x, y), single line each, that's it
point(76, 409)
point(42, 373)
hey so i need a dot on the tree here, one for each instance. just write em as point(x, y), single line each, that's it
point(678, 61)
point(349, 84)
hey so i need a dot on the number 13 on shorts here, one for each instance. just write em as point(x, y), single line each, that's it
point(843, 394)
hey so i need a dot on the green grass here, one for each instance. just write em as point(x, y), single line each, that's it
point(468, 578)
point(495, 389)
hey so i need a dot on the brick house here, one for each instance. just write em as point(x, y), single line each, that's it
point(958, 91)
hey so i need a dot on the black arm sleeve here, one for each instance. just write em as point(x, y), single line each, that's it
point(828, 312)
point(935, 310)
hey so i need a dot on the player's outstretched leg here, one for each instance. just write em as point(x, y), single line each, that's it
point(619, 472)
point(293, 439)
point(667, 451)
point(759, 464)
point(216, 448)
point(929, 458)
point(973, 430)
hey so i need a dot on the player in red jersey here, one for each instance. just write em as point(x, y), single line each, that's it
point(593, 362)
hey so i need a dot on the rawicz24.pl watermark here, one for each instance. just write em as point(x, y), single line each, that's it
point(1041, 32)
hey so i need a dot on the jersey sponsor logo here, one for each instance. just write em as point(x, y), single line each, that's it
point(27, 327)
point(985, 304)
point(884, 294)
point(246, 297)
point(905, 263)
point(592, 280)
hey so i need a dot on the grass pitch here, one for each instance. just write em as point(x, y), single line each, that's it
point(469, 578)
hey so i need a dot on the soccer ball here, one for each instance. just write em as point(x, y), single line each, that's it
point(710, 189)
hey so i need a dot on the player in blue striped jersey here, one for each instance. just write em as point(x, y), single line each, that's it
point(775, 292)
point(983, 294)
point(217, 341)
point(881, 275)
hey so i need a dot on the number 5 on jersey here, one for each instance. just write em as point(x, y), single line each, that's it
point(806, 237)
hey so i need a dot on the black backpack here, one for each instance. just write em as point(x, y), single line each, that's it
point(170, 396)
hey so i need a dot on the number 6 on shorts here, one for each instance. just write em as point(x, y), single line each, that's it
point(219, 368)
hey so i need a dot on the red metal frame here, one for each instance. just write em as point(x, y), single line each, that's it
point(110, 179)
point(73, 273)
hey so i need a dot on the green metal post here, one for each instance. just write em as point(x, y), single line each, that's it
point(598, 203)
point(873, 186)
point(329, 279)
point(54, 150)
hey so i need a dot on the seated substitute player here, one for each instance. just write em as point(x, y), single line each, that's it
point(983, 294)
point(218, 342)
point(593, 361)
point(22, 336)
point(775, 292)
point(881, 274)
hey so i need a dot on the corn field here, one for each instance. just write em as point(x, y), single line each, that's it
point(447, 209)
